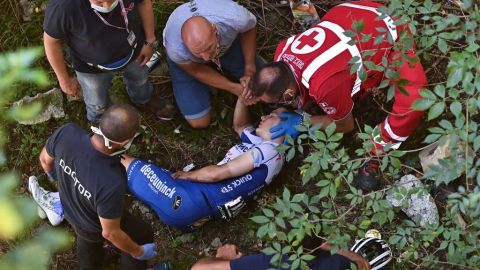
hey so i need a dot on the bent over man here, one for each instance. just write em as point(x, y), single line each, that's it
point(92, 185)
point(313, 68)
point(204, 39)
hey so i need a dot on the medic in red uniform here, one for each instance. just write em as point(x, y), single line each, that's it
point(313, 66)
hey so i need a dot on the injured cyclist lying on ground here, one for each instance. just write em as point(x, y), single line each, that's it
point(187, 200)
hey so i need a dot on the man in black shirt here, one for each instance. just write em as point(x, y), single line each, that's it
point(103, 36)
point(92, 184)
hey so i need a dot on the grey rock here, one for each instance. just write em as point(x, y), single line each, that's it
point(216, 243)
point(28, 9)
point(143, 209)
point(52, 106)
point(411, 196)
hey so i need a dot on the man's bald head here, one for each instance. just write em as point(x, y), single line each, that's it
point(120, 122)
point(272, 79)
point(198, 34)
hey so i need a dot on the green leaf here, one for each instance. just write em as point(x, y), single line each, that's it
point(442, 45)
point(476, 144)
point(427, 94)
point(269, 251)
point(395, 162)
point(286, 194)
point(267, 212)
point(298, 198)
point(439, 90)
point(330, 129)
point(436, 110)
point(280, 222)
point(422, 104)
point(357, 26)
point(443, 245)
point(454, 77)
point(262, 231)
point(472, 48)
point(290, 154)
point(323, 192)
point(362, 74)
point(323, 183)
point(446, 124)
point(432, 138)
point(391, 92)
point(456, 108)
point(260, 219)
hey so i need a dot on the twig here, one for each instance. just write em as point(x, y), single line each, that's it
point(418, 149)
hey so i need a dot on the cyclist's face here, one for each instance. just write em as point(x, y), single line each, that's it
point(269, 121)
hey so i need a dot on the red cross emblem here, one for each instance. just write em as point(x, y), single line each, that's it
point(308, 41)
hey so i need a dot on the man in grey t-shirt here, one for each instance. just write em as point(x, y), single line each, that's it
point(204, 39)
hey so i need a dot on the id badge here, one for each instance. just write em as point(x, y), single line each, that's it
point(131, 38)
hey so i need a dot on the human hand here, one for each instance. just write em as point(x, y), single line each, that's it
point(287, 127)
point(69, 86)
point(145, 55)
point(180, 174)
point(247, 98)
point(148, 252)
point(228, 252)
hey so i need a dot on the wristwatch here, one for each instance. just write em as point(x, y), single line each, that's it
point(154, 44)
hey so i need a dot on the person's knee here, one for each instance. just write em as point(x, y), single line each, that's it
point(199, 123)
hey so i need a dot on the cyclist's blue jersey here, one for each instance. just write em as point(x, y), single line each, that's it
point(186, 205)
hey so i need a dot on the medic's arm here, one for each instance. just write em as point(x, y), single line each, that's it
point(344, 125)
point(334, 97)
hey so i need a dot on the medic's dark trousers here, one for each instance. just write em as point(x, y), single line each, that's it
point(90, 252)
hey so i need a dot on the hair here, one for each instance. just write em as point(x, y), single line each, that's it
point(120, 122)
point(272, 79)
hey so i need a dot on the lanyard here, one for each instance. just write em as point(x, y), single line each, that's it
point(124, 14)
point(216, 61)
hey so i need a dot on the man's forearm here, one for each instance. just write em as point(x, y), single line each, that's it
point(321, 119)
point(341, 126)
point(210, 77)
point(145, 10)
point(249, 47)
point(54, 52)
point(122, 241)
point(209, 174)
point(46, 161)
point(241, 116)
point(212, 263)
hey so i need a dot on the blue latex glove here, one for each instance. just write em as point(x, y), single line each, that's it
point(287, 127)
point(148, 252)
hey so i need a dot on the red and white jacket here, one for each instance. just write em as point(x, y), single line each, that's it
point(319, 56)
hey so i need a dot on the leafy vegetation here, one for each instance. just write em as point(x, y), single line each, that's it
point(315, 194)
point(332, 208)
point(19, 213)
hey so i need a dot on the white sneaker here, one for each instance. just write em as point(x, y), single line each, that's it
point(41, 213)
point(49, 202)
